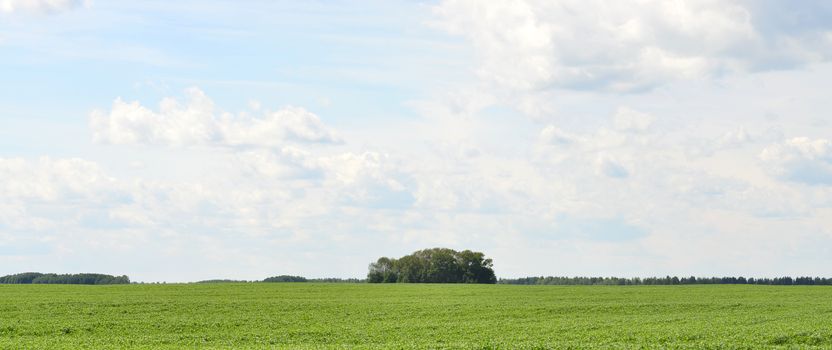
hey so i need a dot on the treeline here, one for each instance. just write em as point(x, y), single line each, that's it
point(437, 265)
point(285, 278)
point(288, 278)
point(667, 280)
point(222, 281)
point(51, 278)
point(336, 280)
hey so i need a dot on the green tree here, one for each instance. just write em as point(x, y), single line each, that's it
point(383, 271)
point(435, 265)
point(477, 268)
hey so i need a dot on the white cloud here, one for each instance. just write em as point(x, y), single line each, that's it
point(74, 207)
point(289, 162)
point(52, 193)
point(41, 6)
point(735, 138)
point(555, 136)
point(627, 130)
point(623, 175)
point(801, 159)
point(611, 167)
point(49, 179)
point(199, 122)
point(633, 45)
point(355, 178)
point(330, 201)
point(630, 120)
point(369, 179)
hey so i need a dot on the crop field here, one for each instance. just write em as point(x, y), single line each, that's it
point(306, 315)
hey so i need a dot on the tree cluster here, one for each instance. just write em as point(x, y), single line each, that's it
point(667, 280)
point(285, 278)
point(221, 281)
point(437, 265)
point(335, 280)
point(288, 278)
point(51, 278)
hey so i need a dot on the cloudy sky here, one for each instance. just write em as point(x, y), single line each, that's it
point(179, 141)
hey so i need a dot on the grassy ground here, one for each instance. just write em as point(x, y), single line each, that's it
point(299, 315)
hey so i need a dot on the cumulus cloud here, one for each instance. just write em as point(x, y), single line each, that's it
point(611, 151)
point(50, 179)
point(608, 166)
point(369, 179)
point(630, 120)
point(283, 199)
point(288, 162)
point(198, 122)
point(552, 135)
point(358, 178)
point(41, 6)
point(735, 138)
point(291, 198)
point(626, 128)
point(633, 45)
point(47, 193)
point(800, 159)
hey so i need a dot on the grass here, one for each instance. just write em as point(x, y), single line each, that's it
point(301, 315)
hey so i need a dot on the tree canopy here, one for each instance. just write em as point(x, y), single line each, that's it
point(668, 280)
point(436, 265)
point(285, 278)
point(51, 278)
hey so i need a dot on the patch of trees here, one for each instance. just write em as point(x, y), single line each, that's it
point(336, 280)
point(51, 278)
point(222, 281)
point(285, 278)
point(436, 265)
point(667, 280)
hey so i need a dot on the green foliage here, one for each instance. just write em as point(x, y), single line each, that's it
point(651, 281)
point(222, 281)
point(20, 278)
point(437, 265)
point(51, 278)
point(335, 280)
point(408, 316)
point(285, 278)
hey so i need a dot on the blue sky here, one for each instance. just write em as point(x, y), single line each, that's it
point(218, 139)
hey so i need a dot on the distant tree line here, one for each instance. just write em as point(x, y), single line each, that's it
point(222, 281)
point(51, 278)
point(336, 280)
point(436, 265)
point(288, 278)
point(285, 278)
point(667, 280)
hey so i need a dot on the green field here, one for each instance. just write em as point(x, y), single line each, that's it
point(300, 315)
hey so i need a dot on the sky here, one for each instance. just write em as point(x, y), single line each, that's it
point(191, 140)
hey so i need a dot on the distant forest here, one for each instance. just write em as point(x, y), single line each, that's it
point(648, 281)
point(51, 278)
point(288, 278)
point(436, 265)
